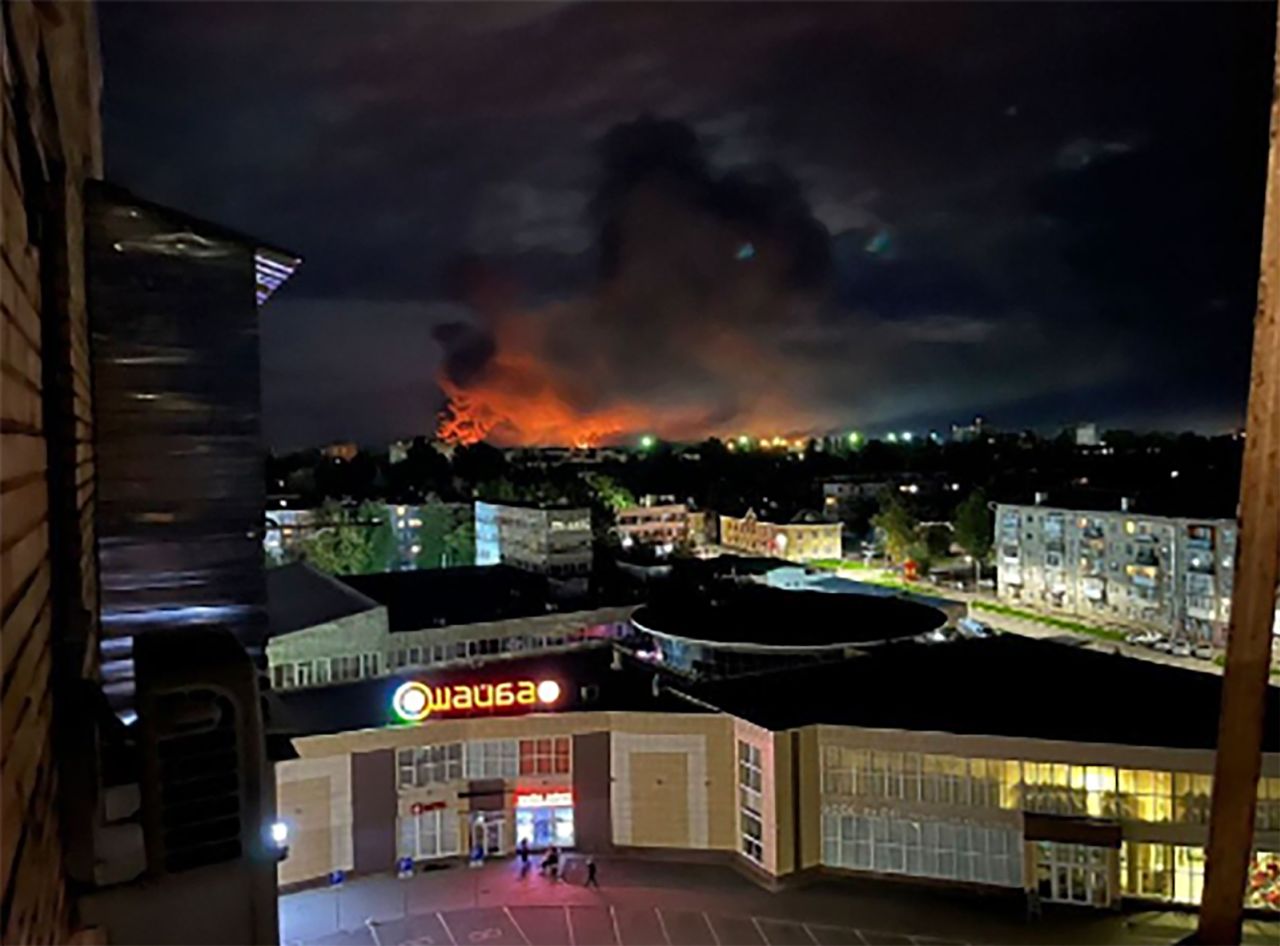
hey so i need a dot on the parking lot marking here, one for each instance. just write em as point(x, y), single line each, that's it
point(568, 920)
point(507, 911)
point(711, 926)
point(613, 918)
point(662, 923)
point(453, 939)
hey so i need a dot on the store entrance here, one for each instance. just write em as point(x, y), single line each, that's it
point(488, 834)
point(544, 819)
point(1073, 873)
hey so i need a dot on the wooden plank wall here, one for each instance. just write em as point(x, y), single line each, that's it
point(51, 134)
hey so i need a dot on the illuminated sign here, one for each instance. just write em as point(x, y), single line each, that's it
point(415, 701)
point(543, 799)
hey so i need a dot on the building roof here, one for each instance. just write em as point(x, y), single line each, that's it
point(1003, 686)
point(273, 266)
point(588, 680)
point(473, 594)
point(757, 616)
point(299, 596)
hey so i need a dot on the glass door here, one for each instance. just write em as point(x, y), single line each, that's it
point(1073, 873)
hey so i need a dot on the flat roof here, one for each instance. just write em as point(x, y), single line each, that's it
point(1002, 686)
point(587, 677)
point(473, 594)
point(299, 596)
point(755, 615)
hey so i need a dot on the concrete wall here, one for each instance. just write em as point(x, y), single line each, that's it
point(313, 796)
point(51, 144)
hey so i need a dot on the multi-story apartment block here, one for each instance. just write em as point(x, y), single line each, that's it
point(1169, 574)
point(547, 540)
point(798, 540)
point(663, 525)
point(841, 495)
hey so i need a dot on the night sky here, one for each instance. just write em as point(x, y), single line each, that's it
point(588, 221)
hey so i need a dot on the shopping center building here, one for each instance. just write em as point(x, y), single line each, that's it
point(1003, 764)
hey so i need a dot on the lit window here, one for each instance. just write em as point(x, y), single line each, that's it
point(750, 800)
point(545, 756)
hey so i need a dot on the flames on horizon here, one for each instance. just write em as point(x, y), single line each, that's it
point(684, 333)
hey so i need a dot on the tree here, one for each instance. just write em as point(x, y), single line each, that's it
point(351, 541)
point(973, 527)
point(609, 492)
point(447, 536)
point(899, 526)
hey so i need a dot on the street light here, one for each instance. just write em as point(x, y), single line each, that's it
point(647, 442)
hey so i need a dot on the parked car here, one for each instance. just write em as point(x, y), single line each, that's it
point(972, 627)
point(1180, 649)
point(1203, 651)
point(1142, 638)
point(1161, 644)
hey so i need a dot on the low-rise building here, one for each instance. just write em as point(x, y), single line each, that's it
point(1168, 574)
point(548, 540)
point(803, 539)
point(841, 495)
point(925, 769)
point(327, 630)
point(662, 525)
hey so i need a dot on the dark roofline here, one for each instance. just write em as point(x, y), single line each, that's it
point(122, 194)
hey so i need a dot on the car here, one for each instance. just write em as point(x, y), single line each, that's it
point(1142, 638)
point(1161, 644)
point(1203, 651)
point(971, 627)
point(1180, 649)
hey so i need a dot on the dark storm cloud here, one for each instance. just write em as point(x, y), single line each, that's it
point(1034, 210)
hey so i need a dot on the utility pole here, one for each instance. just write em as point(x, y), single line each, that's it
point(1244, 685)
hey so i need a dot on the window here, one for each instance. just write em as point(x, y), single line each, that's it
point(545, 756)
point(752, 835)
point(344, 668)
point(368, 665)
point(428, 834)
point(1191, 797)
point(303, 674)
point(282, 676)
point(750, 800)
point(1268, 817)
point(429, 765)
point(494, 758)
point(922, 848)
point(1144, 796)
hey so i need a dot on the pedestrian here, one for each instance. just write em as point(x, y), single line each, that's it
point(592, 880)
point(1033, 904)
point(523, 852)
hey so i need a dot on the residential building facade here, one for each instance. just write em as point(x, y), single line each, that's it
point(663, 525)
point(796, 541)
point(1168, 574)
point(547, 540)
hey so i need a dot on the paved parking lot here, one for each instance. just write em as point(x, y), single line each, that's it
point(651, 903)
point(605, 926)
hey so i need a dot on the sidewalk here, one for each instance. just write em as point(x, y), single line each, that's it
point(650, 903)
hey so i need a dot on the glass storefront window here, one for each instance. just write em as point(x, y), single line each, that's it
point(1263, 890)
point(1191, 792)
point(542, 827)
point(1188, 874)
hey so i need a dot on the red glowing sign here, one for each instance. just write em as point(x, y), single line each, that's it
point(415, 701)
point(558, 798)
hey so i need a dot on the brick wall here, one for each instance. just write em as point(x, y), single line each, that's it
point(51, 143)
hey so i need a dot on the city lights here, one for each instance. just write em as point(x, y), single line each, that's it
point(891, 437)
point(906, 436)
point(647, 442)
point(855, 438)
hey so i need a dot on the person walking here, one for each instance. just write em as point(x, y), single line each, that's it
point(522, 851)
point(592, 879)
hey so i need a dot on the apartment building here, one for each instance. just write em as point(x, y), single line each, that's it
point(803, 539)
point(1166, 573)
point(661, 525)
point(544, 539)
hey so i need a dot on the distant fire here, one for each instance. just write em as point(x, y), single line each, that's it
point(516, 402)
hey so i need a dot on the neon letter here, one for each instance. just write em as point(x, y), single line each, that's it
point(504, 695)
point(527, 694)
point(462, 697)
point(484, 695)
